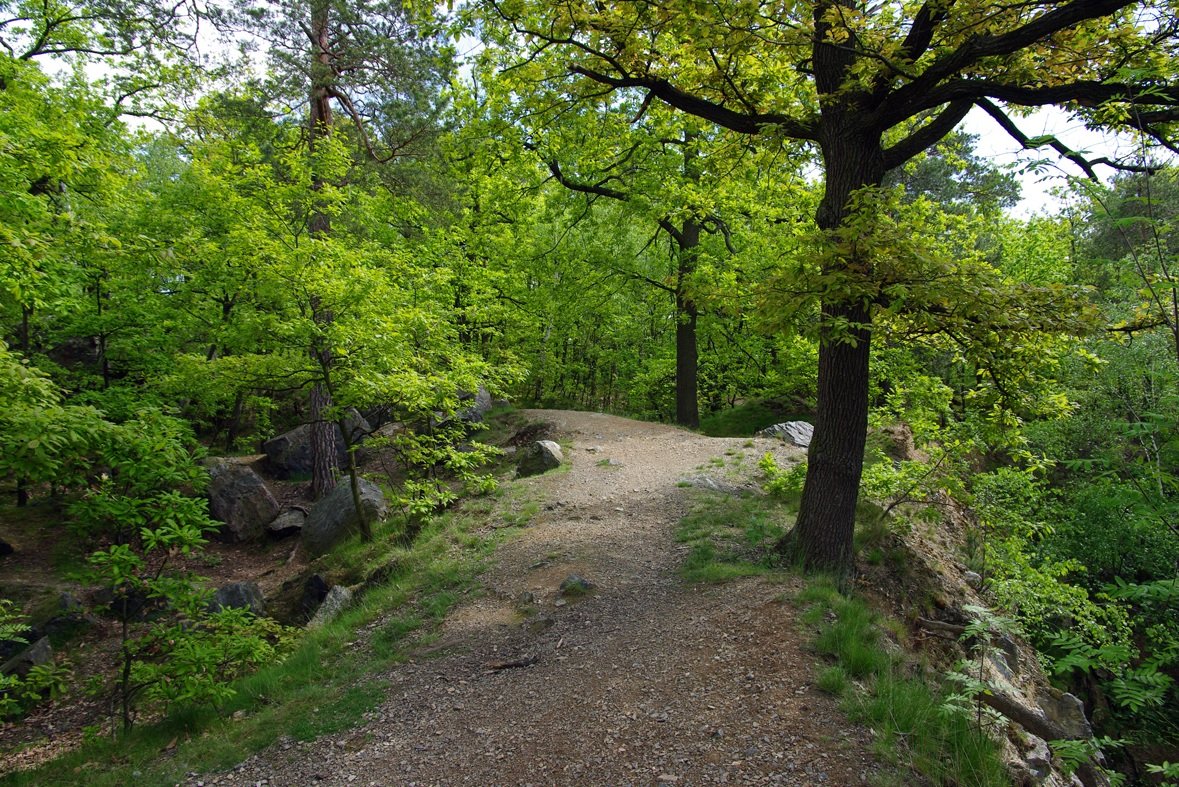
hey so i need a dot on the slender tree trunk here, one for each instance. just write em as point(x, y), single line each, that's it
point(26, 343)
point(687, 356)
point(687, 401)
point(366, 527)
point(100, 339)
point(22, 483)
point(235, 421)
point(324, 463)
point(324, 460)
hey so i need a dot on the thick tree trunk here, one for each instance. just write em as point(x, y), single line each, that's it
point(835, 461)
point(823, 536)
point(323, 443)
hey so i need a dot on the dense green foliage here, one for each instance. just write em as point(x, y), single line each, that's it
point(564, 229)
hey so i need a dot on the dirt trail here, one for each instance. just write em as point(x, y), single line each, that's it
point(646, 681)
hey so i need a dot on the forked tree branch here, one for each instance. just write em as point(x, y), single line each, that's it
point(1086, 164)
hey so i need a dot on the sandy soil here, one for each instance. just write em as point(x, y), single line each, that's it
point(647, 680)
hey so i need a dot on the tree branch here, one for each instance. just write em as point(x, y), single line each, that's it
point(743, 123)
point(596, 189)
point(928, 135)
point(906, 101)
point(1086, 164)
point(666, 225)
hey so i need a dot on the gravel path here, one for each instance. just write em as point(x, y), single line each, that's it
point(645, 681)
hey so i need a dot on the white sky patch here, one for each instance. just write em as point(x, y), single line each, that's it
point(1038, 184)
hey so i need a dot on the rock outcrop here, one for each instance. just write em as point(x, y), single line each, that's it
point(798, 433)
point(239, 498)
point(540, 457)
point(335, 518)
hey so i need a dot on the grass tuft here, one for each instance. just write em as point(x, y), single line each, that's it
point(833, 680)
point(731, 537)
point(745, 419)
point(917, 729)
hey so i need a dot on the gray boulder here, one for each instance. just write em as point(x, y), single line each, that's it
point(239, 595)
point(289, 523)
point(540, 457)
point(797, 433)
point(289, 454)
point(711, 484)
point(474, 406)
point(1067, 712)
point(357, 428)
point(336, 601)
point(334, 518)
point(239, 498)
point(40, 652)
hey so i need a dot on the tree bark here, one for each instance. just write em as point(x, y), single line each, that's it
point(687, 400)
point(687, 356)
point(324, 463)
point(323, 443)
point(835, 460)
point(823, 536)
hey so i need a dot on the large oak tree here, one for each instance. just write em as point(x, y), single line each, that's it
point(870, 86)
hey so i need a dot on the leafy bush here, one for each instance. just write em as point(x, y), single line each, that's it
point(19, 693)
point(782, 482)
point(1107, 526)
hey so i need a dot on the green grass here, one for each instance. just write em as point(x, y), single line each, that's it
point(833, 680)
point(745, 419)
point(853, 640)
point(731, 537)
point(916, 729)
point(331, 678)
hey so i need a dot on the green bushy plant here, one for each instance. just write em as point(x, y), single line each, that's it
point(173, 647)
point(18, 693)
point(782, 482)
